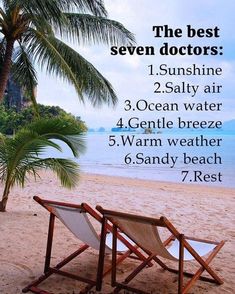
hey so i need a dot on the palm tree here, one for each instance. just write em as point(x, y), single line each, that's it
point(30, 32)
point(24, 154)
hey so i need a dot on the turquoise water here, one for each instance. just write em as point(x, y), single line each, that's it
point(103, 159)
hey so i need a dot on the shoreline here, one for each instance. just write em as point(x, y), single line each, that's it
point(165, 183)
point(201, 211)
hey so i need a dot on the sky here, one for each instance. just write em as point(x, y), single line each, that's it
point(130, 75)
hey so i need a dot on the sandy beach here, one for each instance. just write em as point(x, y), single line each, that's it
point(205, 212)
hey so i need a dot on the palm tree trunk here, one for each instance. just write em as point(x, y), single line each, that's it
point(5, 195)
point(6, 67)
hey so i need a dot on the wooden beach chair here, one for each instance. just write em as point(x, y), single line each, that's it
point(75, 218)
point(144, 232)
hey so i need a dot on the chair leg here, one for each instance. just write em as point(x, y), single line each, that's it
point(181, 264)
point(197, 275)
point(114, 256)
point(49, 242)
point(39, 291)
point(33, 285)
point(139, 268)
point(128, 289)
point(159, 262)
point(203, 263)
point(49, 272)
point(101, 256)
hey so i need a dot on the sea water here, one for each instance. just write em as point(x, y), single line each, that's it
point(100, 158)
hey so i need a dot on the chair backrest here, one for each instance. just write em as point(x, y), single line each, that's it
point(77, 221)
point(142, 230)
point(75, 218)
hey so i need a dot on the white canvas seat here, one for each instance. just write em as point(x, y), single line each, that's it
point(77, 221)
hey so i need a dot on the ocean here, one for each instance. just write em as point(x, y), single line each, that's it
point(170, 163)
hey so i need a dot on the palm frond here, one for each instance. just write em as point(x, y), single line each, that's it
point(2, 14)
point(48, 56)
point(4, 3)
point(52, 10)
point(65, 131)
point(3, 157)
point(23, 72)
point(41, 24)
point(95, 7)
point(66, 170)
point(87, 29)
point(62, 60)
point(24, 154)
point(48, 9)
point(25, 147)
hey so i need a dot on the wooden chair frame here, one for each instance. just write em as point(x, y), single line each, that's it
point(183, 243)
point(48, 270)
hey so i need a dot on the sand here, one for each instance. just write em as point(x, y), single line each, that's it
point(201, 211)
